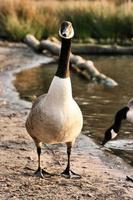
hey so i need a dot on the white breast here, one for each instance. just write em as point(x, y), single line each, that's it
point(60, 91)
point(130, 115)
point(57, 117)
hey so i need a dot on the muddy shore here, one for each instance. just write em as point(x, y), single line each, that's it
point(103, 174)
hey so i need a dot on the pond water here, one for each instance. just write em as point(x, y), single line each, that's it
point(98, 103)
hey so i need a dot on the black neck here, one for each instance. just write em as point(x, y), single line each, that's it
point(63, 66)
point(120, 115)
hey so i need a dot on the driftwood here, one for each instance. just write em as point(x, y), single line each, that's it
point(101, 49)
point(84, 67)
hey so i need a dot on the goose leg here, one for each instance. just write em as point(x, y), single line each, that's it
point(68, 173)
point(40, 172)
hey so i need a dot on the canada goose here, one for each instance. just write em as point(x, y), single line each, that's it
point(55, 117)
point(124, 113)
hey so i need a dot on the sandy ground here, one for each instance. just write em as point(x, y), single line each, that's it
point(103, 174)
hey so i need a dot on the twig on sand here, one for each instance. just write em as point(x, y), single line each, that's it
point(129, 178)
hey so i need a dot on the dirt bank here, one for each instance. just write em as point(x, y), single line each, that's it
point(103, 174)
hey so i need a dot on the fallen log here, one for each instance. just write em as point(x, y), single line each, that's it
point(76, 61)
point(96, 49)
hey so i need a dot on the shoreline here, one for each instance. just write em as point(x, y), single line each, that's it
point(103, 174)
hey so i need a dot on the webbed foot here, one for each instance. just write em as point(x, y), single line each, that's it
point(70, 174)
point(42, 173)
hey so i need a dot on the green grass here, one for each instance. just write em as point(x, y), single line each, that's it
point(106, 22)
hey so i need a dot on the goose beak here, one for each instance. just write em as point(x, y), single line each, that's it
point(66, 30)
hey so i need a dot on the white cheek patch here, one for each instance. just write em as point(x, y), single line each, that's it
point(113, 134)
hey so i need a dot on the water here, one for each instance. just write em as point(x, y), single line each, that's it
point(98, 103)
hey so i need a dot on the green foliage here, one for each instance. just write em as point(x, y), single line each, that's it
point(110, 22)
point(111, 27)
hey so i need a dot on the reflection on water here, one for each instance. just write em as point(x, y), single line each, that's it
point(97, 102)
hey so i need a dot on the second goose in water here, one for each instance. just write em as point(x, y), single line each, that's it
point(126, 113)
point(55, 117)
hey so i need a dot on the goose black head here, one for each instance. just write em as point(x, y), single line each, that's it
point(112, 132)
point(66, 30)
point(109, 135)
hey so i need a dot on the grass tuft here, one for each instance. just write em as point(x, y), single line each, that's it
point(100, 20)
